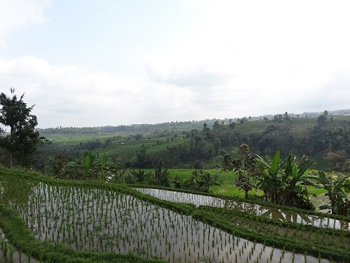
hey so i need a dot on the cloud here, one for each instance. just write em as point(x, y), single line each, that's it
point(72, 96)
point(238, 58)
point(199, 79)
point(260, 57)
point(19, 13)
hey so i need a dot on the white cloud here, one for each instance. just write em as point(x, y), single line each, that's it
point(240, 58)
point(70, 96)
point(276, 55)
point(19, 13)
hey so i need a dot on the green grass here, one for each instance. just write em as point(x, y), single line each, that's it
point(227, 188)
point(221, 218)
point(316, 191)
point(72, 139)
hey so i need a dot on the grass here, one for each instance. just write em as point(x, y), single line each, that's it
point(226, 188)
point(95, 201)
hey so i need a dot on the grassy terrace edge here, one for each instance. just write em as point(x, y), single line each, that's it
point(249, 200)
point(211, 217)
point(20, 236)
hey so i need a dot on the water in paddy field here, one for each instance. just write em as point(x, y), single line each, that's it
point(103, 220)
point(9, 253)
point(260, 210)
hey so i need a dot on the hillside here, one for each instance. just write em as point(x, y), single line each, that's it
point(202, 144)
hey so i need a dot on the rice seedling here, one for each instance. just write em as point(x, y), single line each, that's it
point(97, 219)
point(8, 253)
point(260, 210)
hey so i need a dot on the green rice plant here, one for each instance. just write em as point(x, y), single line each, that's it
point(127, 205)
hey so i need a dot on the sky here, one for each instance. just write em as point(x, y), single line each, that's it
point(87, 63)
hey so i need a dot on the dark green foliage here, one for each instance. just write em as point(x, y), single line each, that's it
point(140, 176)
point(23, 140)
point(177, 181)
point(58, 165)
point(201, 181)
point(161, 176)
point(90, 166)
point(281, 181)
point(337, 192)
point(193, 144)
point(246, 168)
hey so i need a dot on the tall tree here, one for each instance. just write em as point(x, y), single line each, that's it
point(23, 140)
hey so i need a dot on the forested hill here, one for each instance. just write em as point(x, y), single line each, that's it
point(175, 126)
point(325, 139)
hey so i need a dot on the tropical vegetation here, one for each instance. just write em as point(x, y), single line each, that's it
point(116, 198)
point(22, 140)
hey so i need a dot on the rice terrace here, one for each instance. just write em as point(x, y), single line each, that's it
point(51, 220)
point(175, 192)
point(179, 131)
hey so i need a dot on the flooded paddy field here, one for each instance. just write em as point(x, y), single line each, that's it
point(251, 208)
point(109, 221)
point(9, 254)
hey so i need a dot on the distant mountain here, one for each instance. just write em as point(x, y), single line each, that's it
point(176, 126)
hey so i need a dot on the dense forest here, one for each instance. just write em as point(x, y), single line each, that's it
point(323, 137)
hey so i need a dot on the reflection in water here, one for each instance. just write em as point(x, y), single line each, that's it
point(260, 210)
point(9, 254)
point(103, 220)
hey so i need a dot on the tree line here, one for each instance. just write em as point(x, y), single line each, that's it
point(281, 181)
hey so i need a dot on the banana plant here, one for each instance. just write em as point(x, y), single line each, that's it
point(295, 173)
point(336, 192)
point(177, 181)
point(92, 166)
point(140, 175)
point(281, 181)
point(271, 178)
point(206, 180)
point(202, 181)
point(294, 176)
point(89, 160)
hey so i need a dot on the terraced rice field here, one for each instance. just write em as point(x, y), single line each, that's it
point(88, 217)
point(250, 208)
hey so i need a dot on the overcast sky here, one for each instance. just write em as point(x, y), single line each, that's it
point(113, 62)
